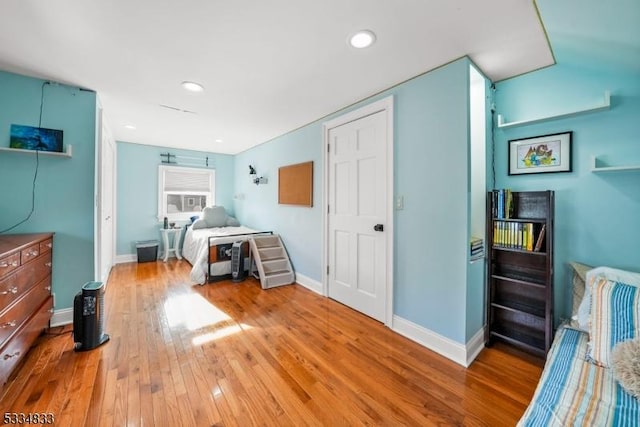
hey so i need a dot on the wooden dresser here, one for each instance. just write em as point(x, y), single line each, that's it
point(26, 304)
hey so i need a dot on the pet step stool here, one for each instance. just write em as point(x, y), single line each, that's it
point(270, 261)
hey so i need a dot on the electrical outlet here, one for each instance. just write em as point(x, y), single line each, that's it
point(400, 203)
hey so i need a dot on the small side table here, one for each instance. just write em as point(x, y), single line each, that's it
point(177, 233)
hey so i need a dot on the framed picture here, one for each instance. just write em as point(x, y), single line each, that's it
point(540, 154)
point(34, 138)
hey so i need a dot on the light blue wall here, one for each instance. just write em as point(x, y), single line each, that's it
point(137, 191)
point(257, 205)
point(431, 173)
point(64, 201)
point(596, 214)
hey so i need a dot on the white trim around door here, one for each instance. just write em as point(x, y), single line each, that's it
point(384, 105)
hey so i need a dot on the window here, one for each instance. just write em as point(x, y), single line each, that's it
point(184, 192)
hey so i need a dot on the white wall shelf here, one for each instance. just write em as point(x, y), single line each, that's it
point(604, 105)
point(67, 153)
point(598, 169)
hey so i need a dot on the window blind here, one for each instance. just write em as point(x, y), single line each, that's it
point(185, 180)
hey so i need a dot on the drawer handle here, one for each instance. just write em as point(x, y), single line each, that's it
point(9, 356)
point(47, 288)
point(49, 245)
point(33, 252)
point(48, 264)
point(5, 264)
point(13, 290)
point(10, 324)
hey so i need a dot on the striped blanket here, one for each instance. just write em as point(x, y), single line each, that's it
point(574, 392)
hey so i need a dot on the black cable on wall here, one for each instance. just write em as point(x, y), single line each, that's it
point(35, 174)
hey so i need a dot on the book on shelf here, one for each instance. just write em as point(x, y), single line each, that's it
point(517, 235)
point(529, 236)
point(503, 205)
point(476, 248)
point(540, 238)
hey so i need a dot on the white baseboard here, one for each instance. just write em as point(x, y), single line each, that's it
point(62, 317)
point(121, 259)
point(459, 353)
point(309, 283)
point(475, 345)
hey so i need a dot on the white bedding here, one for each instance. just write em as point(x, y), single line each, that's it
point(195, 249)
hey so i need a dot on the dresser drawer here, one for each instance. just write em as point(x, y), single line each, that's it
point(29, 253)
point(46, 246)
point(11, 319)
point(33, 272)
point(13, 286)
point(14, 350)
point(9, 290)
point(9, 263)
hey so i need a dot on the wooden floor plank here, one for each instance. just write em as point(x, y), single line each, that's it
point(234, 354)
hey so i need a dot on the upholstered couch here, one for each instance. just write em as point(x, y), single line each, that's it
point(592, 372)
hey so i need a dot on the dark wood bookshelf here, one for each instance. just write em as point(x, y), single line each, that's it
point(520, 280)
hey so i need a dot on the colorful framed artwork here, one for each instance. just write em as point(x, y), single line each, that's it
point(540, 154)
point(35, 138)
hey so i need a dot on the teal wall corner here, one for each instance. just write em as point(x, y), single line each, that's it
point(64, 188)
point(595, 214)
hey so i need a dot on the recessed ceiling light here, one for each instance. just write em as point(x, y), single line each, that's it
point(362, 39)
point(131, 127)
point(192, 86)
point(218, 140)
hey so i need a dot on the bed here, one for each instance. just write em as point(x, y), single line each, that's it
point(586, 378)
point(207, 245)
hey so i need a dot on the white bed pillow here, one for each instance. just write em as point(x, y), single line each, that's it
point(613, 274)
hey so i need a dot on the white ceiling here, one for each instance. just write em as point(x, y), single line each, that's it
point(268, 67)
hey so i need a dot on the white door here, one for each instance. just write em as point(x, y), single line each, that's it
point(106, 176)
point(358, 215)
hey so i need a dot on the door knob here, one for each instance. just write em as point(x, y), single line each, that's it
point(378, 227)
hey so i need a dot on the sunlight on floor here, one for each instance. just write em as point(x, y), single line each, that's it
point(193, 311)
point(221, 333)
point(216, 392)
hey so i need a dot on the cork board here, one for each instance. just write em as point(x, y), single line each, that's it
point(295, 184)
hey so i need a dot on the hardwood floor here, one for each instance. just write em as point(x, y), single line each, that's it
point(236, 355)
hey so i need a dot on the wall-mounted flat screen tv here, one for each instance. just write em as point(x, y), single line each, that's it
point(34, 138)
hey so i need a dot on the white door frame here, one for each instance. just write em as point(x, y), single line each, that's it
point(386, 105)
point(102, 174)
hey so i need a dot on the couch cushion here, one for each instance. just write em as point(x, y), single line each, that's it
point(232, 222)
point(198, 224)
point(574, 392)
point(215, 216)
point(615, 317)
point(628, 277)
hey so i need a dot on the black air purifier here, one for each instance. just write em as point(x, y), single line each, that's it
point(237, 262)
point(88, 317)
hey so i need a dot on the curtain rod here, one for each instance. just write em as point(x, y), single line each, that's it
point(172, 159)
